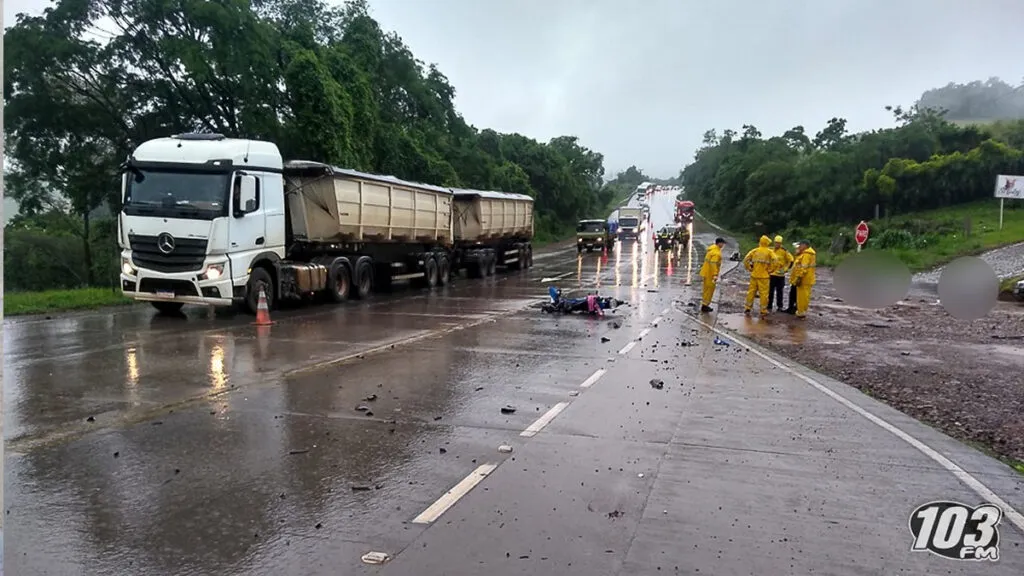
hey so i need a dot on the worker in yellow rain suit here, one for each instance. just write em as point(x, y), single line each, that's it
point(709, 272)
point(760, 262)
point(803, 277)
point(778, 279)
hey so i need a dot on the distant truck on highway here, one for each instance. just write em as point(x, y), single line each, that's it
point(211, 220)
point(591, 234)
point(630, 220)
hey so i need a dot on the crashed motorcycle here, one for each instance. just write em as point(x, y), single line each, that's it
point(591, 304)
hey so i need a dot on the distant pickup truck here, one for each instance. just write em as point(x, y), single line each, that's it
point(592, 234)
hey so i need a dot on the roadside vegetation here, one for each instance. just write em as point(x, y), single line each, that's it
point(19, 303)
point(930, 179)
point(323, 81)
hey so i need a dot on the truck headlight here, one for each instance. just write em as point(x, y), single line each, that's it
point(213, 272)
point(127, 268)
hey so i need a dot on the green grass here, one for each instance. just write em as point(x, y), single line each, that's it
point(1008, 284)
point(925, 240)
point(19, 303)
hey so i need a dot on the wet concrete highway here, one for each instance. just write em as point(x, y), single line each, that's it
point(146, 445)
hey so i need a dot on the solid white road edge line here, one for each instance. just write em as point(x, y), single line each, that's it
point(625, 349)
point(435, 510)
point(666, 311)
point(593, 378)
point(656, 320)
point(964, 476)
point(544, 420)
point(643, 333)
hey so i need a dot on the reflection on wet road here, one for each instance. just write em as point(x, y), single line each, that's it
point(149, 445)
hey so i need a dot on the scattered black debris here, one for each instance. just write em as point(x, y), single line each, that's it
point(1008, 337)
point(303, 451)
point(362, 408)
point(605, 339)
point(158, 423)
point(904, 353)
point(615, 514)
point(370, 398)
point(508, 410)
point(615, 324)
point(877, 325)
point(443, 450)
point(657, 384)
point(117, 454)
point(368, 413)
point(436, 418)
point(360, 488)
point(479, 388)
point(91, 419)
point(318, 526)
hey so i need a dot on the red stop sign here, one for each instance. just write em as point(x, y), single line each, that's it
point(861, 234)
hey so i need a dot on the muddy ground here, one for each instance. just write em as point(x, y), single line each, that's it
point(964, 378)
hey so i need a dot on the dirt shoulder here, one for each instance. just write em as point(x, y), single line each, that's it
point(964, 378)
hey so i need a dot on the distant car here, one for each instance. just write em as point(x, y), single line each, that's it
point(1018, 290)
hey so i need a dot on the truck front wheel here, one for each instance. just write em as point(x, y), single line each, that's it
point(259, 279)
point(167, 308)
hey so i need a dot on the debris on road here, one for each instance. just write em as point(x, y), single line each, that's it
point(574, 393)
point(375, 558)
point(443, 450)
point(505, 449)
point(302, 451)
point(615, 324)
point(370, 398)
point(508, 410)
point(604, 339)
point(360, 488)
point(362, 408)
point(90, 419)
point(657, 384)
point(615, 514)
point(721, 342)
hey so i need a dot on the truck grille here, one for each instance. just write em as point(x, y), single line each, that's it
point(187, 256)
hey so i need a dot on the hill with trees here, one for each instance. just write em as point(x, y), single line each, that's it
point(976, 101)
point(87, 81)
point(806, 184)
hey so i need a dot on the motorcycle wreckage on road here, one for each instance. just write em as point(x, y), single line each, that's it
point(591, 304)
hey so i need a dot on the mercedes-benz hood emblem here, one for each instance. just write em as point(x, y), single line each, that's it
point(165, 243)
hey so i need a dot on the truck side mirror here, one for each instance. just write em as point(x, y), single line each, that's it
point(247, 196)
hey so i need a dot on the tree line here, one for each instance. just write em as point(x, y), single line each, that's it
point(88, 80)
point(796, 180)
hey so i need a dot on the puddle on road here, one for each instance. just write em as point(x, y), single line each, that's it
point(776, 328)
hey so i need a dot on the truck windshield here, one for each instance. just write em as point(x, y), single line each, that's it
point(176, 194)
point(590, 227)
point(628, 222)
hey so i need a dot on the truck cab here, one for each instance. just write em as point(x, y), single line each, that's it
point(630, 224)
point(199, 212)
point(591, 234)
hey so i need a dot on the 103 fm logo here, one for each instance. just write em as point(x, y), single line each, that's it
point(957, 531)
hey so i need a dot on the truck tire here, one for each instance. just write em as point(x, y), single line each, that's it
point(579, 249)
point(529, 256)
point(430, 272)
point(340, 283)
point(444, 269)
point(167, 308)
point(492, 264)
point(362, 283)
point(259, 278)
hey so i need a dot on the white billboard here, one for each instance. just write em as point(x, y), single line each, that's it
point(1010, 187)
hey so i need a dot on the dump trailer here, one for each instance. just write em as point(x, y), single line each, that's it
point(215, 221)
point(492, 229)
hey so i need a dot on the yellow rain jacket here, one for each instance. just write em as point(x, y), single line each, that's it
point(803, 268)
point(760, 261)
point(712, 262)
point(785, 261)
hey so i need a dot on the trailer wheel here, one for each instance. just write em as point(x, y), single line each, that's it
point(363, 281)
point(430, 272)
point(340, 283)
point(167, 308)
point(259, 278)
point(444, 270)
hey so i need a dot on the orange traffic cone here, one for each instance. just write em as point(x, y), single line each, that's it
point(263, 311)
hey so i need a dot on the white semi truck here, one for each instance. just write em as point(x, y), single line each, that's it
point(211, 220)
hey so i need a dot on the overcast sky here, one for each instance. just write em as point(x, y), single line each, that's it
point(640, 81)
